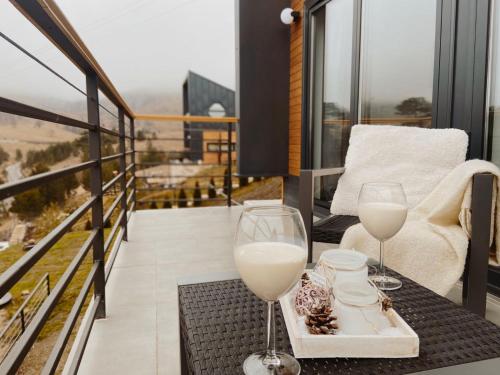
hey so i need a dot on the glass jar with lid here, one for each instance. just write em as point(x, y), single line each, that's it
point(358, 309)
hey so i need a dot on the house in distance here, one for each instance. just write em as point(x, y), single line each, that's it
point(207, 142)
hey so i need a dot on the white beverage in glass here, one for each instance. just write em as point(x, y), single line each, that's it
point(382, 219)
point(270, 252)
point(270, 269)
point(382, 210)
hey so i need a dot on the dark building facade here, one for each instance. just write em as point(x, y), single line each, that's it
point(204, 97)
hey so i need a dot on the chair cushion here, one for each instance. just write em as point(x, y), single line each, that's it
point(417, 158)
point(332, 228)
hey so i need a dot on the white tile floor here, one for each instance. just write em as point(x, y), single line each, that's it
point(140, 333)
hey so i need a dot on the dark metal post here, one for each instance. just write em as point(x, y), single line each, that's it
point(229, 164)
point(96, 191)
point(306, 198)
point(132, 170)
point(123, 167)
point(23, 321)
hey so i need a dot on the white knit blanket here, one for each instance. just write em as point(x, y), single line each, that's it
point(431, 248)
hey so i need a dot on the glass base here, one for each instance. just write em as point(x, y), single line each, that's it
point(386, 282)
point(254, 365)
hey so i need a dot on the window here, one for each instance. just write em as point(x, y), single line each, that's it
point(389, 46)
point(332, 53)
point(222, 147)
point(493, 128)
point(397, 62)
point(217, 110)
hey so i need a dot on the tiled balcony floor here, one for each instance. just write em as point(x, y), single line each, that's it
point(140, 333)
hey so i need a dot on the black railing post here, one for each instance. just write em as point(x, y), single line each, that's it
point(96, 191)
point(229, 163)
point(132, 170)
point(123, 171)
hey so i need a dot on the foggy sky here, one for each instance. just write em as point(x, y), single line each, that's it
point(143, 45)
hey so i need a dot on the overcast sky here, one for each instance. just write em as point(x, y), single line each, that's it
point(143, 45)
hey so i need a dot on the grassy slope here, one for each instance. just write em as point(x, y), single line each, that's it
point(54, 262)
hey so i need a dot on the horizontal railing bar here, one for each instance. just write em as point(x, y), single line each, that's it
point(168, 139)
point(113, 231)
point(180, 118)
point(26, 301)
point(130, 182)
point(184, 164)
point(16, 187)
point(112, 255)
point(29, 54)
point(132, 207)
point(174, 176)
point(178, 188)
point(111, 182)
point(25, 110)
point(12, 275)
point(108, 213)
point(130, 167)
point(111, 157)
point(58, 348)
point(109, 131)
point(109, 111)
point(130, 196)
point(186, 151)
point(182, 200)
point(16, 355)
point(129, 152)
point(82, 342)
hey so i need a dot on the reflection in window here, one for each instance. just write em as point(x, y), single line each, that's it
point(332, 32)
point(332, 83)
point(397, 62)
point(494, 84)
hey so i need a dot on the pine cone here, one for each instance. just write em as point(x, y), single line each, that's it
point(386, 304)
point(320, 321)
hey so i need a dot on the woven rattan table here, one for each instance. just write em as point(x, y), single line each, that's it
point(222, 322)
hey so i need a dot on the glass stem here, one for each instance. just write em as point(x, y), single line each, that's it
point(271, 359)
point(381, 266)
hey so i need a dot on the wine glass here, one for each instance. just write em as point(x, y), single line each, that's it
point(270, 252)
point(382, 209)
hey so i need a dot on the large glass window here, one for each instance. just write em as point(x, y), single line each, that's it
point(493, 134)
point(397, 62)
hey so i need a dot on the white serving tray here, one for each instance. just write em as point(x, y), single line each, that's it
point(306, 345)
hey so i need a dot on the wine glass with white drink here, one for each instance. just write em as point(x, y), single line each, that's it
point(382, 209)
point(270, 252)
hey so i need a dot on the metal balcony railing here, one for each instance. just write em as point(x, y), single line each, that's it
point(50, 21)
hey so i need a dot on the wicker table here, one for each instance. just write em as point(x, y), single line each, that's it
point(222, 322)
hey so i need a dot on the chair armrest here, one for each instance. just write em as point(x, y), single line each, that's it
point(306, 198)
point(325, 171)
point(476, 270)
